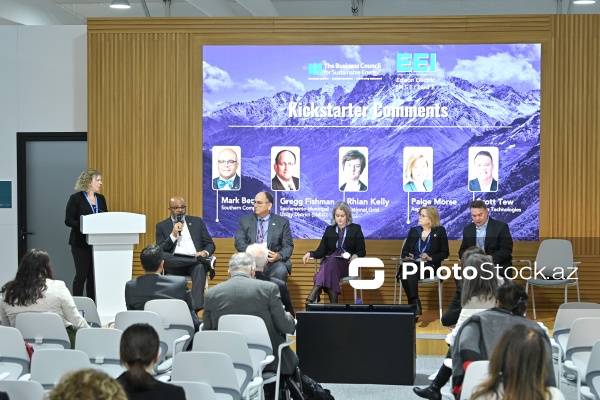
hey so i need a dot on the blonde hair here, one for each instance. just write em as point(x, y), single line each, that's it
point(85, 179)
point(87, 384)
point(433, 215)
point(410, 164)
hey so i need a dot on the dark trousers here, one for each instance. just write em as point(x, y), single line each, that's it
point(84, 271)
point(176, 265)
point(451, 315)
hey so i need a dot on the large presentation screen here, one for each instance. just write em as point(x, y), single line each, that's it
point(387, 128)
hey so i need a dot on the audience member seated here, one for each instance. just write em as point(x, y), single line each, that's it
point(518, 368)
point(479, 334)
point(478, 294)
point(261, 254)
point(87, 384)
point(139, 353)
point(342, 242)
point(153, 285)
point(242, 294)
point(35, 290)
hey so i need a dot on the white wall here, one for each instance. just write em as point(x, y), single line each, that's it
point(43, 83)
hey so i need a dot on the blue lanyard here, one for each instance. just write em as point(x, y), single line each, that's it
point(426, 243)
point(94, 209)
point(344, 238)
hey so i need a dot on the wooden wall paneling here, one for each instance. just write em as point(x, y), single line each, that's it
point(152, 67)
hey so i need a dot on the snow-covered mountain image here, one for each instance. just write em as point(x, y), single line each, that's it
point(463, 108)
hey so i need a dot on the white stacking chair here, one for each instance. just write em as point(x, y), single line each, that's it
point(554, 258)
point(566, 314)
point(14, 359)
point(216, 369)
point(88, 306)
point(592, 376)
point(102, 348)
point(255, 331)
point(584, 333)
point(125, 319)
point(43, 330)
point(196, 390)
point(26, 390)
point(233, 344)
point(477, 372)
point(48, 366)
point(176, 318)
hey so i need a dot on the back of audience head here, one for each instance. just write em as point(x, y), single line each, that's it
point(484, 283)
point(87, 384)
point(517, 366)
point(241, 262)
point(512, 297)
point(139, 351)
point(30, 280)
point(151, 258)
point(471, 250)
point(260, 255)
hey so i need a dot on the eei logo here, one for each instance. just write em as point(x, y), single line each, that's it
point(315, 68)
point(415, 62)
point(359, 263)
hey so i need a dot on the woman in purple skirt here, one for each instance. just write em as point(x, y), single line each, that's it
point(342, 242)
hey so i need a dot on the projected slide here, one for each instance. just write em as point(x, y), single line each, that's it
point(387, 128)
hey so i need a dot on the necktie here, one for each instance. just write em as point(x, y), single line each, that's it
point(222, 183)
point(261, 232)
point(290, 186)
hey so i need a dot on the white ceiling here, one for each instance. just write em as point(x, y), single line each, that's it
point(75, 12)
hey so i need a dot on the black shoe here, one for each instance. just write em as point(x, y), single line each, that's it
point(419, 310)
point(429, 392)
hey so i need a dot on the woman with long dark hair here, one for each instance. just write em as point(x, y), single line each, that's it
point(139, 353)
point(34, 289)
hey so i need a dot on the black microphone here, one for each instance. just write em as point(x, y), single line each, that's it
point(179, 218)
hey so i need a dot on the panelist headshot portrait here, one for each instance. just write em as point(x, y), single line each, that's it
point(483, 171)
point(418, 167)
point(226, 168)
point(286, 167)
point(353, 169)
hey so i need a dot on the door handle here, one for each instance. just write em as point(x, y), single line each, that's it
point(24, 232)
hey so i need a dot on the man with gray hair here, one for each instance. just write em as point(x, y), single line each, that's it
point(241, 294)
point(261, 255)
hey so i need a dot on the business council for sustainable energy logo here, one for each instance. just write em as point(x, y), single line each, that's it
point(315, 68)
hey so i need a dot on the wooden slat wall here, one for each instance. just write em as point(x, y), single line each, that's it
point(145, 119)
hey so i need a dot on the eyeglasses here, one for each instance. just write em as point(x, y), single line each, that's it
point(228, 162)
point(286, 164)
point(260, 203)
point(423, 216)
point(178, 208)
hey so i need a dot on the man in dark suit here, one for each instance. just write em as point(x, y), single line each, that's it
point(285, 168)
point(269, 230)
point(188, 248)
point(242, 294)
point(153, 285)
point(227, 164)
point(489, 234)
point(260, 255)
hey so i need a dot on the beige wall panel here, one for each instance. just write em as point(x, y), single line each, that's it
point(145, 121)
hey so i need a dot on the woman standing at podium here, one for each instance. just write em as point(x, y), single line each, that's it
point(85, 201)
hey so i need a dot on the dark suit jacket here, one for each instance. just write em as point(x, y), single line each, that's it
point(243, 295)
point(236, 183)
point(498, 241)
point(438, 244)
point(200, 236)
point(362, 187)
point(279, 237)
point(276, 183)
point(354, 243)
point(286, 299)
point(159, 391)
point(475, 187)
point(152, 287)
point(76, 207)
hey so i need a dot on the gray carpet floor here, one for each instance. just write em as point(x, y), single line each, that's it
point(426, 365)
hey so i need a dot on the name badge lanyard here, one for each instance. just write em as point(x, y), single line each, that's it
point(262, 233)
point(343, 238)
point(421, 249)
point(94, 209)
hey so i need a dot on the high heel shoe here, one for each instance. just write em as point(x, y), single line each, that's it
point(314, 296)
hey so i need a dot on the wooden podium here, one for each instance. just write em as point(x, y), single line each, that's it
point(112, 236)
